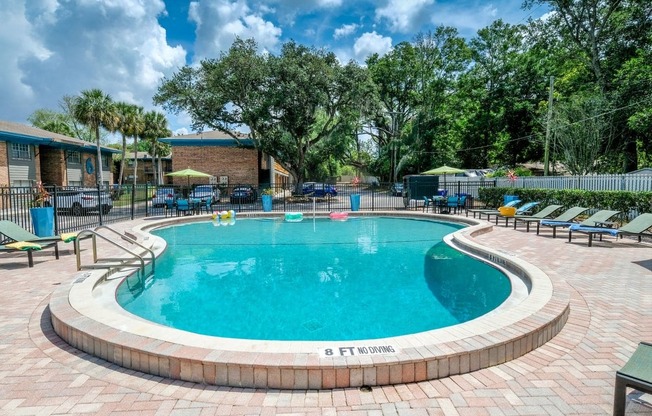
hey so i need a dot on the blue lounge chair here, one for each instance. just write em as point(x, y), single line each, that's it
point(522, 210)
point(481, 211)
point(597, 219)
point(638, 227)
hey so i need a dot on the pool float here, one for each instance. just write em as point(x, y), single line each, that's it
point(223, 217)
point(293, 216)
point(339, 216)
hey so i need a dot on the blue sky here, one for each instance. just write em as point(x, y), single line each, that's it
point(52, 48)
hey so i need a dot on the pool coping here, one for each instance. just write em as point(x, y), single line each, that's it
point(84, 317)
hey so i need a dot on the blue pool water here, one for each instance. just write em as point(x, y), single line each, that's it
point(267, 279)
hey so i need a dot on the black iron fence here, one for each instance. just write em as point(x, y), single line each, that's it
point(81, 208)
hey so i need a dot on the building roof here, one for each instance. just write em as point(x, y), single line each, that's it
point(21, 133)
point(210, 138)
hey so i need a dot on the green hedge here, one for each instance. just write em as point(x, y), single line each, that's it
point(623, 201)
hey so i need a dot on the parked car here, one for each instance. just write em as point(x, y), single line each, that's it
point(242, 194)
point(158, 200)
point(206, 193)
point(82, 201)
point(397, 189)
point(319, 189)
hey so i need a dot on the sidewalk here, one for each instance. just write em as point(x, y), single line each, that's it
point(611, 311)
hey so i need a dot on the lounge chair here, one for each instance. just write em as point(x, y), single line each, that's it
point(596, 220)
point(636, 373)
point(545, 212)
point(638, 227)
point(481, 211)
point(567, 216)
point(522, 210)
point(16, 238)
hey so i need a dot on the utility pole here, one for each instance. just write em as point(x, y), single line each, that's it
point(546, 151)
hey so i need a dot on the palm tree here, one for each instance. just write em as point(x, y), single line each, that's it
point(96, 109)
point(128, 127)
point(156, 126)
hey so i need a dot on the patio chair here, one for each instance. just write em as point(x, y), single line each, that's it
point(636, 373)
point(183, 206)
point(16, 238)
point(426, 204)
point(169, 206)
point(636, 227)
point(454, 203)
point(596, 220)
point(481, 211)
point(545, 212)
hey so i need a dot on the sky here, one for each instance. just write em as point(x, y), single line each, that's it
point(53, 48)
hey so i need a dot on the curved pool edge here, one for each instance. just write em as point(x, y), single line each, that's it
point(83, 316)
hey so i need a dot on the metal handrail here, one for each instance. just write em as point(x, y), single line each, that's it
point(132, 241)
point(94, 235)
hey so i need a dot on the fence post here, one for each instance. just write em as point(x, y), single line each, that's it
point(56, 211)
point(99, 203)
point(133, 200)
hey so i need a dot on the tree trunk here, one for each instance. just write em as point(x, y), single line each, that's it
point(98, 164)
point(135, 159)
point(122, 162)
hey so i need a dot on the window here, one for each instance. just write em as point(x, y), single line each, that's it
point(106, 162)
point(20, 151)
point(74, 158)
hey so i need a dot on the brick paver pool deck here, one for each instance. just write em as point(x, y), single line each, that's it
point(611, 311)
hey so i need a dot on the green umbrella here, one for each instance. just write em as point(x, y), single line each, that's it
point(443, 170)
point(189, 173)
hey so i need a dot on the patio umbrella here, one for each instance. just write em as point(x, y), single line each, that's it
point(443, 170)
point(188, 173)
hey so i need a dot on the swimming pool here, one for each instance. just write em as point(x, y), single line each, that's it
point(85, 314)
point(365, 278)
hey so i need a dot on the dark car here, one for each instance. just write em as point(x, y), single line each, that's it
point(319, 189)
point(397, 189)
point(242, 194)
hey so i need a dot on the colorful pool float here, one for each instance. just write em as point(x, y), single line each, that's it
point(293, 216)
point(339, 216)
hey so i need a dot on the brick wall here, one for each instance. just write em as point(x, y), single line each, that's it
point(53, 166)
point(4, 165)
point(240, 165)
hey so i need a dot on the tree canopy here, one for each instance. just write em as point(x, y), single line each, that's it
point(290, 102)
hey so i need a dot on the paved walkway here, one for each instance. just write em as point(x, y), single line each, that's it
point(611, 311)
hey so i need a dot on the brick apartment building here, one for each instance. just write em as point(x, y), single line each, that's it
point(29, 154)
point(231, 163)
point(144, 169)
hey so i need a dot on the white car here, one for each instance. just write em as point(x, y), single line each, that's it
point(82, 201)
point(158, 200)
point(206, 193)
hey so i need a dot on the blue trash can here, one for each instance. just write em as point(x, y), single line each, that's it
point(43, 221)
point(509, 198)
point(355, 202)
point(267, 203)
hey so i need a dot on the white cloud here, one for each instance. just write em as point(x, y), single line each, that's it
point(220, 22)
point(404, 15)
point(345, 30)
point(370, 43)
point(61, 48)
